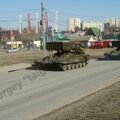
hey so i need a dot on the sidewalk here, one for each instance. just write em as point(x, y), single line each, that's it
point(14, 67)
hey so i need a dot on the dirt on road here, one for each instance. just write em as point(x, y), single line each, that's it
point(14, 58)
point(95, 53)
point(102, 105)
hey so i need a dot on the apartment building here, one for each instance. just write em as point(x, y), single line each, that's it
point(72, 23)
point(90, 24)
point(111, 23)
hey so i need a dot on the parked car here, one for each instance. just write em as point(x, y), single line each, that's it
point(12, 50)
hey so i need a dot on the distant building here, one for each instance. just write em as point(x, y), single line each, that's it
point(6, 34)
point(111, 23)
point(86, 25)
point(93, 31)
point(112, 37)
point(72, 23)
point(37, 43)
point(14, 44)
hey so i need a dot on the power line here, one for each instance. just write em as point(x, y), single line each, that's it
point(80, 15)
point(18, 11)
point(16, 20)
point(4, 19)
point(53, 12)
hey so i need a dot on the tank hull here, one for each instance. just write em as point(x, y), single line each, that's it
point(69, 55)
point(114, 55)
point(82, 61)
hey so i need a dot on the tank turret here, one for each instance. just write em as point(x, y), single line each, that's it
point(68, 55)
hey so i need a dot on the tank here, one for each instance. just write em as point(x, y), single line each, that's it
point(115, 54)
point(68, 55)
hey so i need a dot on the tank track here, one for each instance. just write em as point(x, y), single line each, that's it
point(65, 67)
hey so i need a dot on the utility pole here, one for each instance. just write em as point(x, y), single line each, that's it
point(43, 27)
point(56, 21)
point(37, 23)
point(53, 34)
point(11, 37)
point(20, 24)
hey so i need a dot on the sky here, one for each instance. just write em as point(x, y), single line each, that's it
point(89, 10)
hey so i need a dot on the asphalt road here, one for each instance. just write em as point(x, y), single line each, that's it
point(27, 94)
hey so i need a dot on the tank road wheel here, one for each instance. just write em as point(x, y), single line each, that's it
point(76, 65)
point(64, 67)
point(86, 62)
point(83, 64)
point(73, 66)
point(69, 67)
point(80, 65)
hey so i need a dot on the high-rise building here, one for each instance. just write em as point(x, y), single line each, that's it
point(111, 23)
point(87, 25)
point(72, 23)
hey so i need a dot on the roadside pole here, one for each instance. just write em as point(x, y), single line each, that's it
point(11, 39)
point(43, 27)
